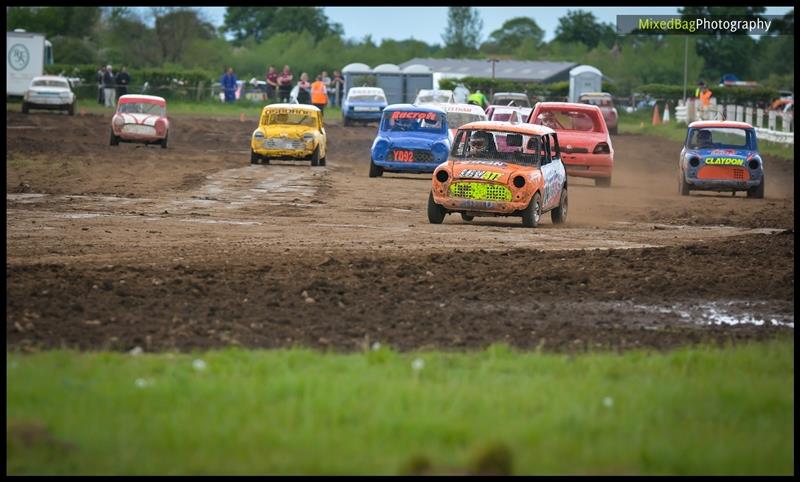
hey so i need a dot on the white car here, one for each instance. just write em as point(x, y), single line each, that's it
point(50, 92)
point(460, 114)
point(434, 96)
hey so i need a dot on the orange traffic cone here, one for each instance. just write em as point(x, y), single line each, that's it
point(656, 117)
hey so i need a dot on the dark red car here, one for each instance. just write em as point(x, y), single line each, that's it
point(605, 102)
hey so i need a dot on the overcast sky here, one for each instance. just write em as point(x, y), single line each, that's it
point(428, 23)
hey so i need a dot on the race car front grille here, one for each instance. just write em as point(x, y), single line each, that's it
point(738, 174)
point(480, 191)
point(418, 156)
point(139, 129)
point(287, 144)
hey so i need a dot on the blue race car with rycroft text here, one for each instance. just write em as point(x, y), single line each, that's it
point(363, 104)
point(721, 156)
point(411, 139)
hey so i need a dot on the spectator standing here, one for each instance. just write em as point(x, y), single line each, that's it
point(319, 93)
point(108, 87)
point(338, 88)
point(100, 74)
point(303, 90)
point(229, 85)
point(326, 79)
point(285, 84)
point(272, 83)
point(122, 79)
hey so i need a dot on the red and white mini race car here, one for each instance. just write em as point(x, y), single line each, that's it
point(140, 118)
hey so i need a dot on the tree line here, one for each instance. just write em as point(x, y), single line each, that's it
point(252, 38)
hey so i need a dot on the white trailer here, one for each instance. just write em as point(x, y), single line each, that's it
point(26, 55)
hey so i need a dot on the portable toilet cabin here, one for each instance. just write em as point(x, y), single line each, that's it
point(357, 75)
point(584, 78)
point(417, 77)
point(390, 78)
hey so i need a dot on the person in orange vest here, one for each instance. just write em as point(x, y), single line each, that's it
point(705, 96)
point(319, 94)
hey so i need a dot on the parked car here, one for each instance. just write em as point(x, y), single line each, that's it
point(140, 118)
point(605, 102)
point(721, 156)
point(460, 114)
point(585, 143)
point(479, 180)
point(364, 105)
point(434, 96)
point(410, 138)
point(289, 132)
point(516, 99)
point(49, 92)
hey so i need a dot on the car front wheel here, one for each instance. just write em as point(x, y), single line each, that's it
point(467, 217)
point(253, 157)
point(71, 109)
point(315, 157)
point(375, 171)
point(683, 187)
point(532, 214)
point(602, 182)
point(114, 140)
point(436, 212)
point(559, 214)
point(757, 192)
point(164, 141)
point(25, 108)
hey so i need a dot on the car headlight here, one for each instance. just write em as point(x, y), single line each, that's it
point(380, 149)
point(64, 95)
point(440, 152)
point(754, 163)
point(308, 137)
point(258, 135)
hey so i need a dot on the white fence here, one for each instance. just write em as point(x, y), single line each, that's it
point(779, 125)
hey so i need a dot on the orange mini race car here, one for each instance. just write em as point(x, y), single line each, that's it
point(524, 179)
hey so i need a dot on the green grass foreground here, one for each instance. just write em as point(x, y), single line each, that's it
point(689, 411)
point(641, 122)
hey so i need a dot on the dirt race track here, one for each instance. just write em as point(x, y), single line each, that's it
point(192, 247)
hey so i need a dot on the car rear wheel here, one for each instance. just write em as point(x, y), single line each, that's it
point(683, 187)
point(559, 214)
point(113, 140)
point(757, 192)
point(25, 108)
point(602, 182)
point(532, 214)
point(315, 157)
point(467, 217)
point(375, 171)
point(164, 141)
point(71, 110)
point(436, 212)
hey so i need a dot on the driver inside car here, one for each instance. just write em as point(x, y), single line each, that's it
point(704, 139)
point(480, 144)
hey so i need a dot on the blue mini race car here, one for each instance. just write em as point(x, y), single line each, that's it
point(363, 104)
point(411, 139)
point(721, 156)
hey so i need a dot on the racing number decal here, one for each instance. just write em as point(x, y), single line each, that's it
point(404, 156)
point(480, 174)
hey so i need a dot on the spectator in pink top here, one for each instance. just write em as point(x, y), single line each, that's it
point(285, 84)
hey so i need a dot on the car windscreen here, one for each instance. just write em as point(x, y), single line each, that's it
point(50, 83)
point(569, 120)
point(290, 117)
point(501, 116)
point(598, 101)
point(433, 99)
point(515, 101)
point(511, 147)
point(366, 98)
point(414, 121)
point(141, 108)
point(721, 138)
point(458, 119)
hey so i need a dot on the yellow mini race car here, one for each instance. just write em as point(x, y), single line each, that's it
point(289, 132)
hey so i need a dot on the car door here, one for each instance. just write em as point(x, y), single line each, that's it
point(324, 150)
point(553, 172)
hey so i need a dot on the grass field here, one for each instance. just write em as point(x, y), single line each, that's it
point(641, 123)
point(210, 108)
point(690, 411)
